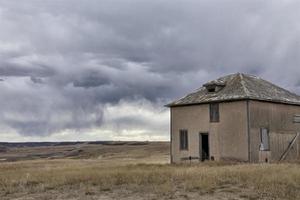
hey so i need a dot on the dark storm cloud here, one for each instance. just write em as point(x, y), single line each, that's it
point(64, 61)
point(36, 80)
point(91, 79)
point(15, 70)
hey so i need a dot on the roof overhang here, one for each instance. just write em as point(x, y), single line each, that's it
point(232, 100)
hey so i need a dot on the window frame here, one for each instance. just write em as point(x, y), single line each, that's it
point(183, 140)
point(268, 138)
point(214, 112)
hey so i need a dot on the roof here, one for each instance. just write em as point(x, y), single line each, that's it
point(238, 87)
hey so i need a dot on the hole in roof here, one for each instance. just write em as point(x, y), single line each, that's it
point(211, 90)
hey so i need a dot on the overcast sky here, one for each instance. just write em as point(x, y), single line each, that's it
point(103, 69)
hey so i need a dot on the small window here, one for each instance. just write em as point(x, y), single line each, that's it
point(210, 90)
point(264, 139)
point(214, 112)
point(183, 139)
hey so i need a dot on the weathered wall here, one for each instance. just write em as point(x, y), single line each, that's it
point(227, 138)
point(278, 118)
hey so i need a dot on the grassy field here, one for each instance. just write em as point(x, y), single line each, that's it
point(142, 172)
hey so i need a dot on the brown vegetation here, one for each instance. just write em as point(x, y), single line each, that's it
point(119, 178)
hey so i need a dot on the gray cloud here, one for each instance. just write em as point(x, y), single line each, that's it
point(36, 80)
point(91, 79)
point(65, 62)
point(9, 69)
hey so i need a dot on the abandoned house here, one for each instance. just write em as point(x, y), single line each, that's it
point(237, 117)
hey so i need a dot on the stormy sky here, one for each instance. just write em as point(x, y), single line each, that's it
point(103, 69)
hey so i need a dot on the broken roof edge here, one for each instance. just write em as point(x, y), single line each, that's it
point(232, 100)
point(212, 82)
point(217, 83)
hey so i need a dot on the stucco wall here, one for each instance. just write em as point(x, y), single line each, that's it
point(278, 118)
point(227, 138)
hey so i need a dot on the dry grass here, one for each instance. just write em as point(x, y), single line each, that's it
point(137, 172)
point(280, 181)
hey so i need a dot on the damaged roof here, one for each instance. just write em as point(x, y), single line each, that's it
point(238, 87)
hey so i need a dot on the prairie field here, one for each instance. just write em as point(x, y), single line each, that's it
point(135, 171)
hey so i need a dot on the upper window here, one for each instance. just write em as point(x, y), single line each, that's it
point(183, 139)
point(264, 139)
point(214, 112)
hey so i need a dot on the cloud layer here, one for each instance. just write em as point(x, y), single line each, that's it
point(71, 69)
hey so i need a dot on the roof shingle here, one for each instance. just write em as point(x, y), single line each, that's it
point(239, 87)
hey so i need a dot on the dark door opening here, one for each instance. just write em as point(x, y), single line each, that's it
point(204, 146)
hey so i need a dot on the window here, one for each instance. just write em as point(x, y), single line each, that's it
point(183, 139)
point(264, 139)
point(214, 112)
point(211, 89)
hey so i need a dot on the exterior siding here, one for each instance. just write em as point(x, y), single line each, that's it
point(228, 139)
point(278, 118)
point(194, 119)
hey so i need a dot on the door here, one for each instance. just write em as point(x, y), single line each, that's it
point(203, 146)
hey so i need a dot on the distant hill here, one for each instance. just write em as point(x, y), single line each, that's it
point(45, 144)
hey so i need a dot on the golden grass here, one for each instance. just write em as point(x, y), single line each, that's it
point(267, 180)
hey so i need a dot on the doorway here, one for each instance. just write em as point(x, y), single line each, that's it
point(204, 146)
